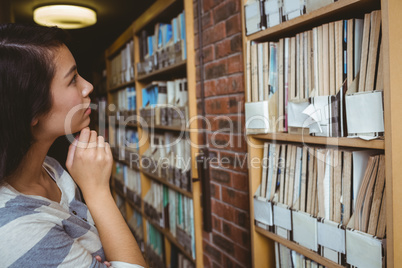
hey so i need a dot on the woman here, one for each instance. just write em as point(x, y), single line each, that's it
point(43, 222)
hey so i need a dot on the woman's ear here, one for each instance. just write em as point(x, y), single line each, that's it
point(34, 122)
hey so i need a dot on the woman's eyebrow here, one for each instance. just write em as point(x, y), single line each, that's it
point(72, 69)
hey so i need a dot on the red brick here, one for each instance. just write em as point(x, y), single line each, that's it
point(240, 236)
point(223, 48)
point(209, 4)
point(233, 25)
point(214, 34)
point(216, 191)
point(218, 105)
point(223, 177)
point(225, 10)
point(207, 262)
point(234, 161)
point(212, 252)
point(243, 256)
point(227, 123)
point(215, 69)
point(236, 43)
point(207, 20)
point(242, 219)
point(223, 243)
point(224, 211)
point(216, 224)
point(240, 181)
point(227, 141)
point(235, 64)
point(225, 85)
point(236, 198)
point(208, 53)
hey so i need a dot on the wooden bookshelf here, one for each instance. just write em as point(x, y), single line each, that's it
point(170, 237)
point(165, 72)
point(300, 249)
point(262, 241)
point(168, 184)
point(341, 142)
point(162, 11)
point(121, 86)
point(334, 11)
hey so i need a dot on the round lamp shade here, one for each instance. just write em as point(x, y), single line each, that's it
point(65, 16)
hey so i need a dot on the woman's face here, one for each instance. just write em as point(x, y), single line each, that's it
point(70, 98)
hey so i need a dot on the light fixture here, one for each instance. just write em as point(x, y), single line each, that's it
point(64, 16)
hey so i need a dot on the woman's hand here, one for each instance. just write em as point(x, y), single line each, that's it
point(89, 162)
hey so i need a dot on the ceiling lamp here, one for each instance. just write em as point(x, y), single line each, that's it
point(64, 16)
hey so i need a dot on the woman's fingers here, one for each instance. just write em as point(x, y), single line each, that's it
point(101, 142)
point(83, 139)
point(93, 139)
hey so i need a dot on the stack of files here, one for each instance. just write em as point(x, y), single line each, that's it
point(323, 182)
point(273, 12)
point(131, 147)
point(177, 259)
point(254, 16)
point(133, 187)
point(179, 38)
point(154, 248)
point(324, 83)
point(165, 46)
point(177, 102)
point(293, 8)
point(165, 103)
point(285, 257)
point(365, 92)
point(122, 65)
point(321, 191)
point(136, 227)
point(181, 220)
point(154, 97)
point(312, 5)
point(154, 205)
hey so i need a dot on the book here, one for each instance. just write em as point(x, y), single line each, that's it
point(377, 197)
point(364, 52)
point(375, 29)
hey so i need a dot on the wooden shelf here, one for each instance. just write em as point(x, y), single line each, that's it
point(124, 162)
point(170, 237)
point(133, 205)
point(170, 70)
point(341, 142)
point(300, 249)
point(170, 128)
point(338, 9)
point(168, 184)
point(126, 84)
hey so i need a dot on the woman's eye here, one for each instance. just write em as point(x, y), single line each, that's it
point(74, 79)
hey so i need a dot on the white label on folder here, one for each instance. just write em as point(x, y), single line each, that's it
point(305, 230)
point(257, 115)
point(331, 236)
point(364, 112)
point(263, 211)
point(363, 250)
point(282, 217)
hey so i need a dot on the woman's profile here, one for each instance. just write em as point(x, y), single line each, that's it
point(43, 221)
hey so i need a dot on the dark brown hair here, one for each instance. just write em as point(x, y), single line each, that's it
point(26, 72)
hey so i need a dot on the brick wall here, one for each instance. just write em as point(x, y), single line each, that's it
point(228, 245)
